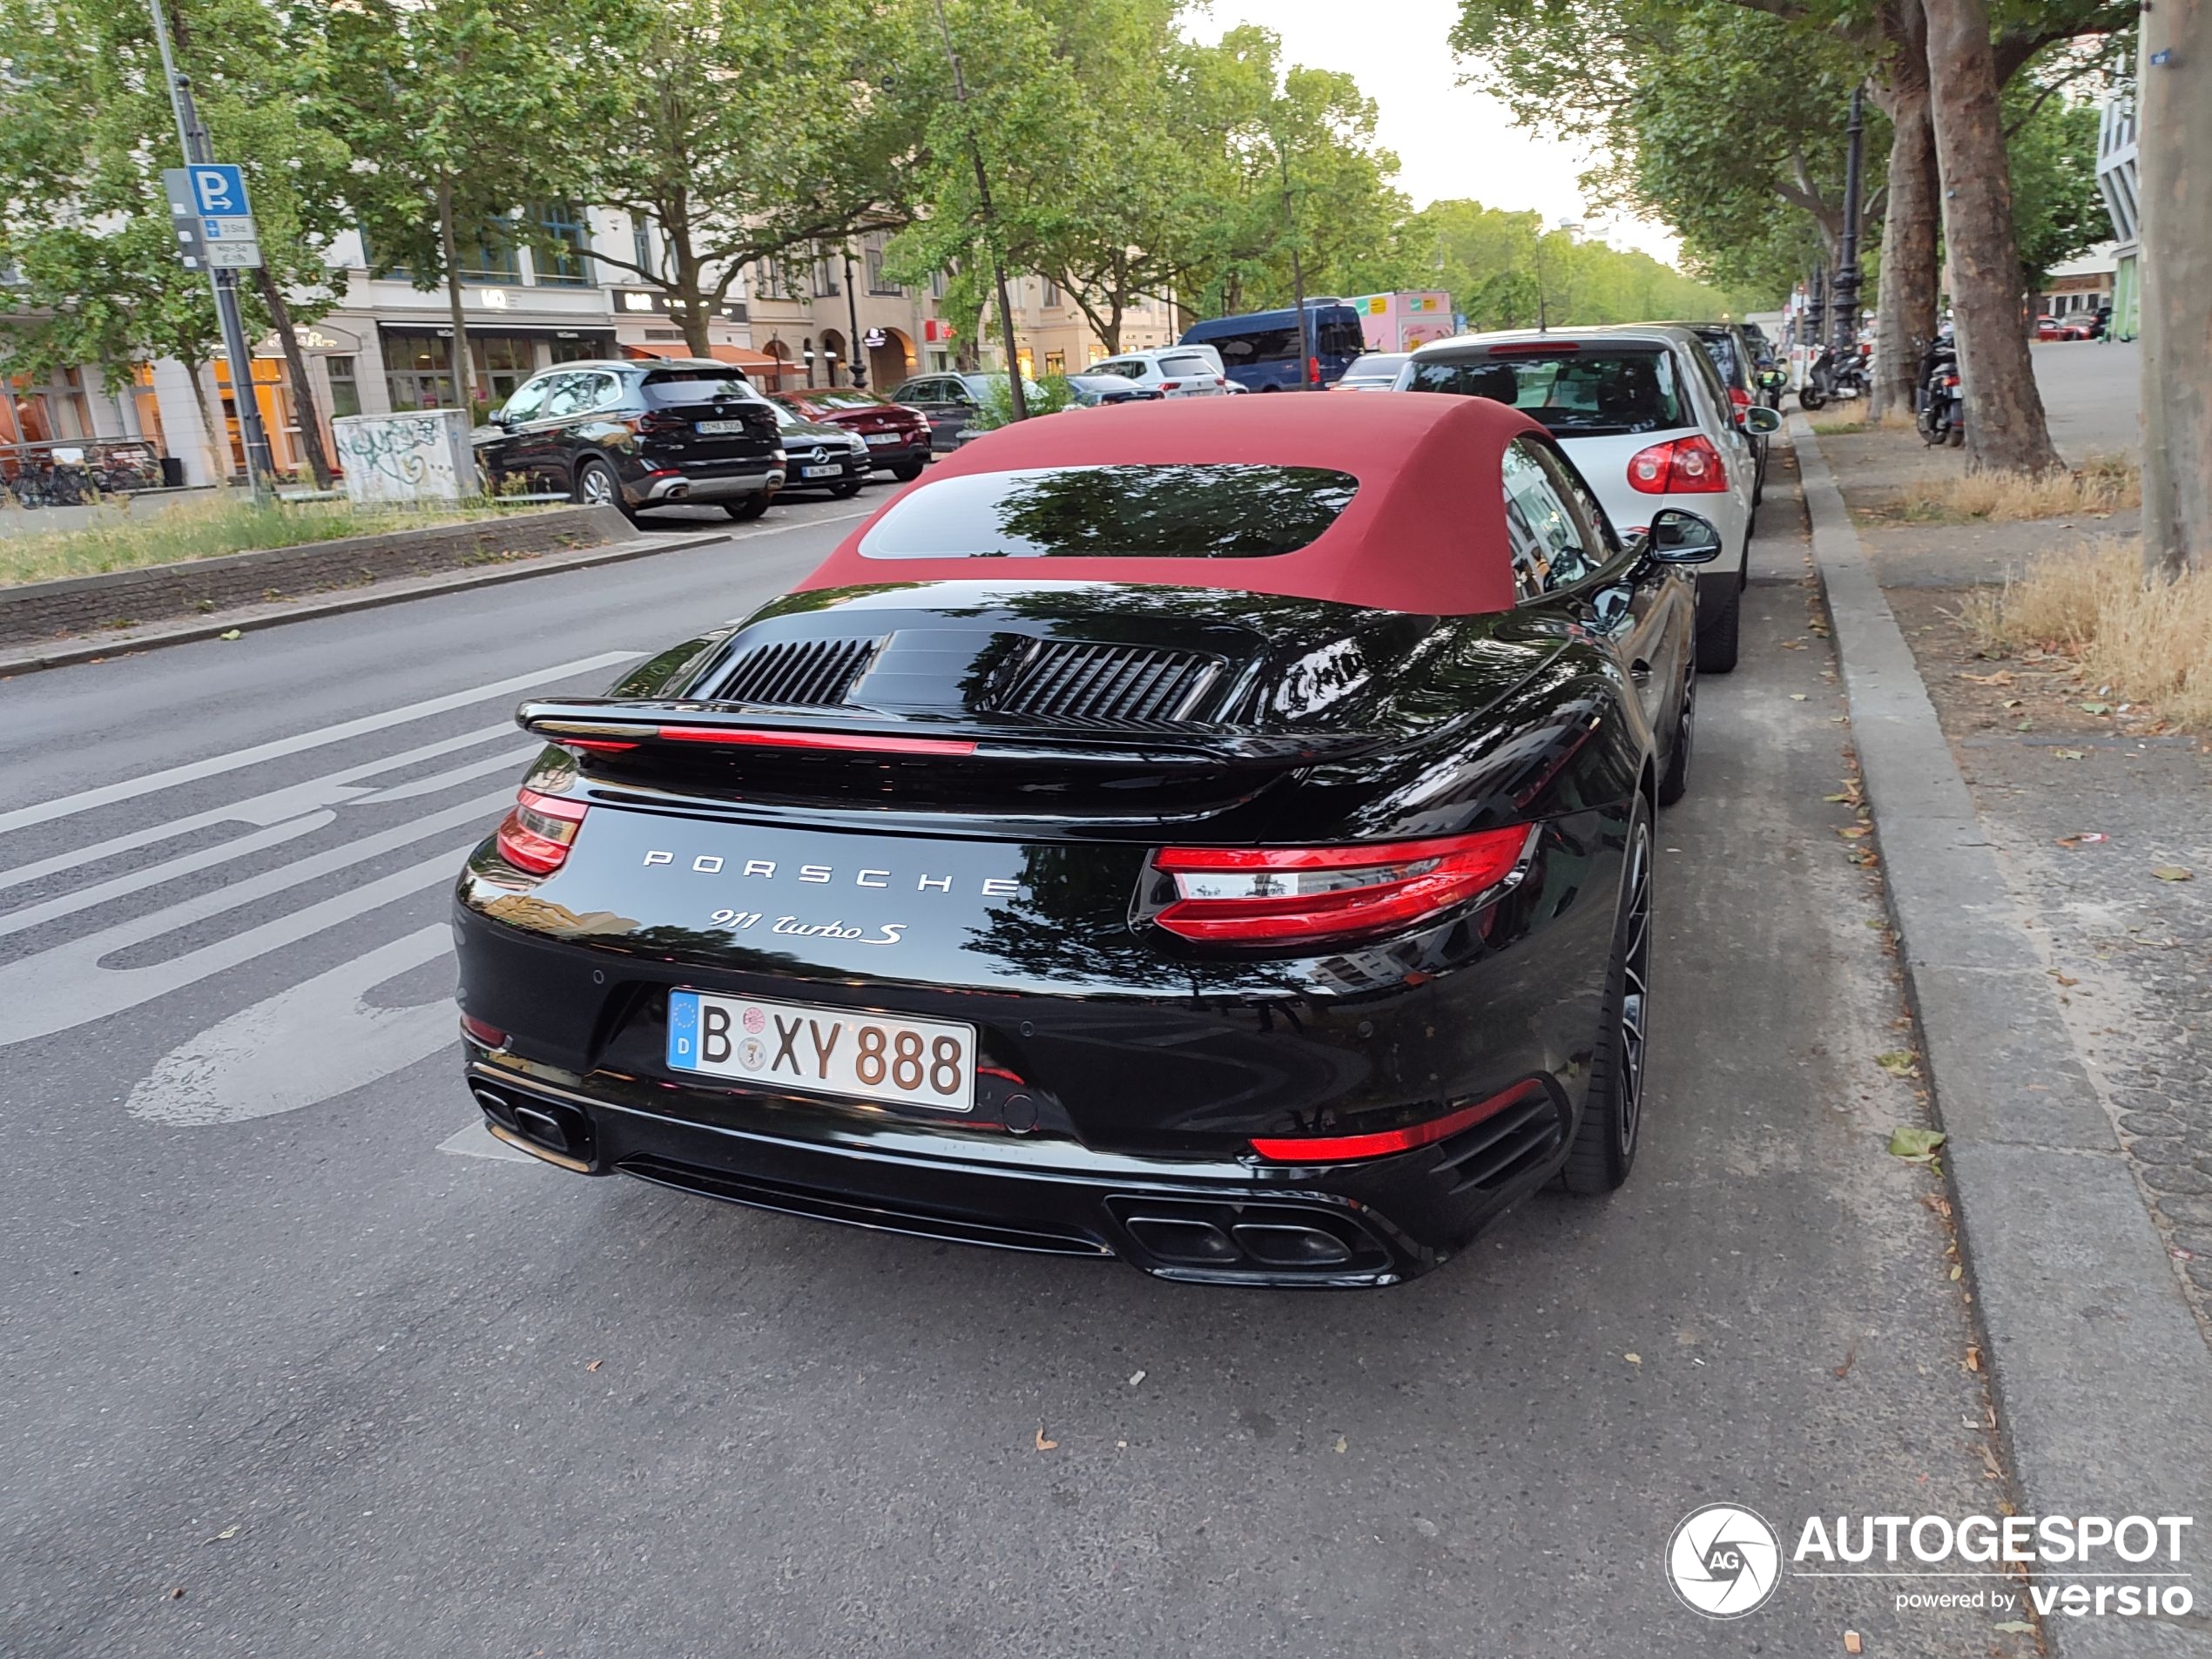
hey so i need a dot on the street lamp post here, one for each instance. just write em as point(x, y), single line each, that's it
point(858, 369)
point(1845, 307)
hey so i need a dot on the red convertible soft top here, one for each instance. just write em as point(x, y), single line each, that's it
point(1424, 533)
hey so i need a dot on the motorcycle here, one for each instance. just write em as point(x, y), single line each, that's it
point(1938, 403)
point(1830, 376)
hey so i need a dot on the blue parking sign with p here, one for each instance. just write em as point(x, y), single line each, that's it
point(219, 189)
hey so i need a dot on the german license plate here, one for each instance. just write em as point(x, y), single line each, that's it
point(848, 1052)
point(719, 428)
point(818, 472)
point(883, 437)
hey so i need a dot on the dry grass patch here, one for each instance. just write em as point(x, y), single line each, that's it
point(1891, 420)
point(2103, 485)
point(2150, 640)
point(226, 522)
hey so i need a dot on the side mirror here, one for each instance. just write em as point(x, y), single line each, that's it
point(499, 418)
point(1678, 536)
point(1760, 419)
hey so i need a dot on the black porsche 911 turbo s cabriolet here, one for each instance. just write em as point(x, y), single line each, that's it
point(1216, 834)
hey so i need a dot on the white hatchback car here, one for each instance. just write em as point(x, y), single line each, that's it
point(1642, 414)
point(1172, 371)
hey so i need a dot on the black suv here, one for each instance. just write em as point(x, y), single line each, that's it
point(637, 435)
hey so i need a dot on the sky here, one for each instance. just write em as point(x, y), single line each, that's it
point(1451, 141)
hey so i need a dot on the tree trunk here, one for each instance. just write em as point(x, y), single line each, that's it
point(295, 365)
point(1906, 308)
point(464, 369)
point(210, 411)
point(689, 293)
point(2006, 430)
point(2174, 136)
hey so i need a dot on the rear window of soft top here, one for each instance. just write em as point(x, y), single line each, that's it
point(1180, 511)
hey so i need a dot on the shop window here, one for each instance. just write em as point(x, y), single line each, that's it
point(417, 372)
point(1056, 362)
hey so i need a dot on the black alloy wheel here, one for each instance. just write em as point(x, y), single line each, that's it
point(845, 491)
point(750, 507)
point(906, 471)
point(596, 486)
point(1605, 1145)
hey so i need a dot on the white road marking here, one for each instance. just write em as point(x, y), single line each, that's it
point(130, 788)
point(302, 1046)
point(69, 903)
point(65, 986)
point(272, 807)
point(477, 1142)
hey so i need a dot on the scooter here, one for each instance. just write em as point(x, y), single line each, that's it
point(1829, 376)
point(1938, 403)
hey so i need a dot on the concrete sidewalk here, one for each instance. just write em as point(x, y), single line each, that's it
point(2102, 1375)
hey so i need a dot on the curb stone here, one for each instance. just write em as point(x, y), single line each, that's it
point(2101, 1375)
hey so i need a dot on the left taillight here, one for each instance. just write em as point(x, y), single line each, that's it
point(538, 830)
point(1682, 467)
point(1321, 894)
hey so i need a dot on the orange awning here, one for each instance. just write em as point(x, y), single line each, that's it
point(759, 362)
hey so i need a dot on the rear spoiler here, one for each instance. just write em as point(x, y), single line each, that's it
point(613, 726)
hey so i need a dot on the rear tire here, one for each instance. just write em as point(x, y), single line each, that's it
point(752, 507)
point(1675, 782)
point(597, 486)
point(1605, 1142)
point(1718, 633)
point(906, 471)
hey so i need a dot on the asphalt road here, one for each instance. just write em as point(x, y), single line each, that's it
point(297, 1361)
point(2092, 395)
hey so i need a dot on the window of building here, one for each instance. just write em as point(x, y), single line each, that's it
point(937, 285)
point(415, 372)
point(503, 362)
point(345, 387)
point(1051, 290)
point(641, 245)
point(878, 282)
point(564, 251)
point(1056, 362)
point(826, 275)
point(491, 255)
point(572, 351)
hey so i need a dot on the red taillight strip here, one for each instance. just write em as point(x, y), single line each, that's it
point(1352, 854)
point(853, 741)
point(1338, 1149)
point(553, 806)
point(596, 746)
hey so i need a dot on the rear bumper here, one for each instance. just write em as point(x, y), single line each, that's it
point(721, 486)
point(1204, 1221)
point(883, 457)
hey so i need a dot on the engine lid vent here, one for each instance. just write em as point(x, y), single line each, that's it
point(1118, 685)
point(797, 673)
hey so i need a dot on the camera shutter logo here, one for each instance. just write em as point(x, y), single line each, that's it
point(1723, 1561)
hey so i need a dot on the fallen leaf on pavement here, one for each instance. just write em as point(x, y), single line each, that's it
point(2095, 708)
point(1851, 831)
point(231, 633)
point(1898, 1062)
point(2061, 978)
point(2002, 676)
point(2083, 837)
point(1632, 1358)
point(1796, 697)
point(1918, 1145)
point(2173, 872)
point(1043, 1445)
point(1850, 1641)
point(2010, 703)
point(595, 1365)
point(227, 1532)
point(1340, 1445)
point(1974, 1358)
point(2068, 754)
point(2017, 1626)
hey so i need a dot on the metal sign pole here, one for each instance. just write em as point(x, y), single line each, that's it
point(259, 464)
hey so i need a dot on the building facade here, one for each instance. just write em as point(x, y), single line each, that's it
point(2116, 182)
point(827, 316)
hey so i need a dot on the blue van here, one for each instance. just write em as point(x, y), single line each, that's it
point(1260, 349)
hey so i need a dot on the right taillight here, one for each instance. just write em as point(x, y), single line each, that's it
point(1680, 467)
point(537, 831)
point(1301, 895)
